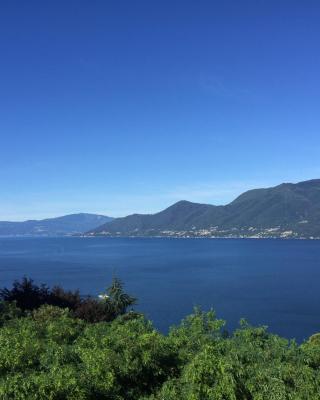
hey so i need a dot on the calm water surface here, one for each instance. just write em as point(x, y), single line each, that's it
point(270, 282)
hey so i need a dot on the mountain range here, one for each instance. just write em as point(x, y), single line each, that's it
point(287, 210)
point(65, 225)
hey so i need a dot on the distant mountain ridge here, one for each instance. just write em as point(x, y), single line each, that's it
point(286, 210)
point(65, 225)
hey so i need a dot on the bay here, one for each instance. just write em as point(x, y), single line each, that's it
point(268, 282)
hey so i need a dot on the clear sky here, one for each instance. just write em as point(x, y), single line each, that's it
point(126, 106)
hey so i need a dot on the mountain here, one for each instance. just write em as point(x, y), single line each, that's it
point(286, 210)
point(66, 225)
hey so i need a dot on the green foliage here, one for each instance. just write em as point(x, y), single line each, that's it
point(194, 332)
point(8, 311)
point(127, 358)
point(116, 300)
point(28, 296)
point(113, 303)
point(50, 354)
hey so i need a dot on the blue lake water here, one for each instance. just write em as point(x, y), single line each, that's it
point(269, 282)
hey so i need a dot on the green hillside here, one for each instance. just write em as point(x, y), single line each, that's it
point(286, 210)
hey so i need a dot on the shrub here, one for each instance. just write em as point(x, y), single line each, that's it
point(28, 296)
point(49, 353)
point(9, 311)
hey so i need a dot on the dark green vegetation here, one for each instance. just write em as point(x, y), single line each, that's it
point(284, 208)
point(27, 296)
point(47, 352)
point(68, 224)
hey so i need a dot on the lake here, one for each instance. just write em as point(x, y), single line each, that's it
point(269, 282)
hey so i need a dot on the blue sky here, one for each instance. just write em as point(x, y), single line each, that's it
point(118, 107)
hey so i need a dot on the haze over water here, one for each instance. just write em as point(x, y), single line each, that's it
point(269, 282)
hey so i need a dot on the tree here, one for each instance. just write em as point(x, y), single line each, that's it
point(116, 300)
point(26, 294)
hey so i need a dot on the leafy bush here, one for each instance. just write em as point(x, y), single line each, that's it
point(28, 296)
point(8, 311)
point(49, 353)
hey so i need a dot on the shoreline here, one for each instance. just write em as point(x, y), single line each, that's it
point(156, 237)
point(196, 237)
